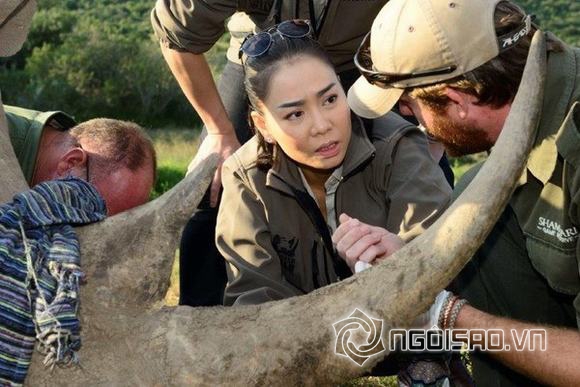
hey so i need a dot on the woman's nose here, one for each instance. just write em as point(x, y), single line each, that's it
point(321, 123)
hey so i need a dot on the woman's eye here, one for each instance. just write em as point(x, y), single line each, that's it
point(294, 115)
point(331, 99)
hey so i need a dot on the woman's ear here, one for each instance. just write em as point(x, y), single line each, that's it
point(260, 125)
point(71, 161)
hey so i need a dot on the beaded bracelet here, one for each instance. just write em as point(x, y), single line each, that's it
point(443, 308)
point(447, 310)
point(456, 308)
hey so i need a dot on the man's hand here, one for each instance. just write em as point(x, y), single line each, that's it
point(222, 144)
point(195, 79)
point(356, 241)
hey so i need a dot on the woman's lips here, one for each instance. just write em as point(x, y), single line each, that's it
point(330, 149)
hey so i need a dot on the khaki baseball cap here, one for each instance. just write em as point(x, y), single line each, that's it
point(421, 42)
point(15, 18)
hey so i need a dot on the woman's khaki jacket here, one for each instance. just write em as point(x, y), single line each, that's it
point(267, 228)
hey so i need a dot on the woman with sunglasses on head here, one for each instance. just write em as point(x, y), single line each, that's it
point(310, 161)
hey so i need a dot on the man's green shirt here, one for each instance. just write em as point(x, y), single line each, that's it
point(547, 200)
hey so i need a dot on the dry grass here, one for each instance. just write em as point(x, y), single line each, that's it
point(175, 147)
point(372, 381)
point(172, 296)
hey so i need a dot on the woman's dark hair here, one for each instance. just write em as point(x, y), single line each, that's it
point(258, 72)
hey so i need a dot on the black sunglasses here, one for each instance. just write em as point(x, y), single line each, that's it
point(259, 44)
point(364, 64)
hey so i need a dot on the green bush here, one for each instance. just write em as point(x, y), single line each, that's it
point(97, 58)
point(562, 17)
point(167, 177)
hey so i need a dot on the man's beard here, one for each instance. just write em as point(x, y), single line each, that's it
point(459, 139)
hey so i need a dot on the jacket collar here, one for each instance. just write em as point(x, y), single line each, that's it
point(285, 173)
point(560, 82)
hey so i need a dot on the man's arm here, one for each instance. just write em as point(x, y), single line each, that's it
point(557, 365)
point(187, 29)
point(195, 79)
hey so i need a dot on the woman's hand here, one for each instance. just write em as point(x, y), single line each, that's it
point(357, 241)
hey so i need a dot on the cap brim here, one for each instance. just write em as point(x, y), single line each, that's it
point(65, 121)
point(370, 101)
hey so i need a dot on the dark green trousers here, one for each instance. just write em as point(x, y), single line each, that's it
point(501, 280)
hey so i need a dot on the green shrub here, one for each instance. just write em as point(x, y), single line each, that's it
point(167, 177)
point(98, 58)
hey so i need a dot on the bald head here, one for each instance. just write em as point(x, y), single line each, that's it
point(117, 157)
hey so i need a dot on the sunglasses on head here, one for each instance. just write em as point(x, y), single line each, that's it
point(259, 44)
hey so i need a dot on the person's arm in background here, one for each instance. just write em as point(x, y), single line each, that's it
point(186, 30)
point(195, 79)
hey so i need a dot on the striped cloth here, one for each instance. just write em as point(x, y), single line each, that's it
point(39, 273)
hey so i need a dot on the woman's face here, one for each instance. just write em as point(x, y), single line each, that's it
point(306, 113)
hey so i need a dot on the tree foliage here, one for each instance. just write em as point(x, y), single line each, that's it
point(559, 16)
point(95, 58)
point(99, 58)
